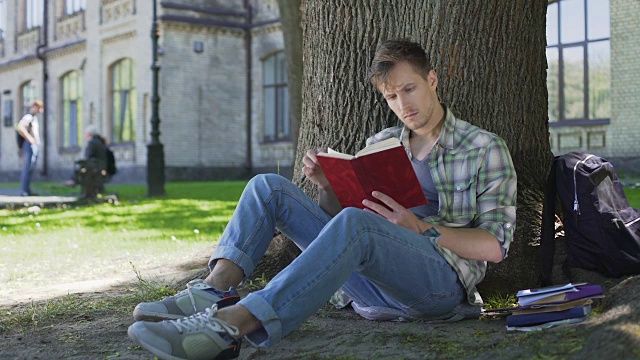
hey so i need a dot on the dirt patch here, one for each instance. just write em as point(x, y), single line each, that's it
point(613, 332)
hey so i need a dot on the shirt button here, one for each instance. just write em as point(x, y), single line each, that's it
point(507, 225)
point(458, 188)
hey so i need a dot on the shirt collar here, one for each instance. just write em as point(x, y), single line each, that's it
point(445, 139)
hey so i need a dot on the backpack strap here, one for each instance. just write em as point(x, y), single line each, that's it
point(547, 228)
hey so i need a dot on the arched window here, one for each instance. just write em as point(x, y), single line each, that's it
point(277, 126)
point(71, 110)
point(28, 94)
point(123, 102)
point(579, 60)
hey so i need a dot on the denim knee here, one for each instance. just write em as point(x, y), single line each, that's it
point(354, 221)
point(268, 181)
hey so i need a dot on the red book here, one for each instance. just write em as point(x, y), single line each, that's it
point(383, 167)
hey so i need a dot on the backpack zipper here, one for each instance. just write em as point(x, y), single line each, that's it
point(631, 222)
point(576, 206)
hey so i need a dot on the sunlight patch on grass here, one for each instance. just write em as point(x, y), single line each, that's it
point(91, 242)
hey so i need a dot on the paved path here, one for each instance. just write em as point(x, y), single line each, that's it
point(11, 197)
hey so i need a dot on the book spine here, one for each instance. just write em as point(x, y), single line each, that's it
point(541, 318)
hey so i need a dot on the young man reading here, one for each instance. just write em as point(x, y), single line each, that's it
point(421, 263)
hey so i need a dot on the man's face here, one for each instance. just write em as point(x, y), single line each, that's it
point(411, 97)
point(35, 109)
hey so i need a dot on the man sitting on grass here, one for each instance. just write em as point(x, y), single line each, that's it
point(421, 263)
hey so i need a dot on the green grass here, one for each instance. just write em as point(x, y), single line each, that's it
point(90, 242)
point(499, 301)
point(634, 197)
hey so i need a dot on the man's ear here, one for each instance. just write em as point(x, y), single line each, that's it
point(432, 79)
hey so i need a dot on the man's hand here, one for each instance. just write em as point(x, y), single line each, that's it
point(312, 169)
point(398, 213)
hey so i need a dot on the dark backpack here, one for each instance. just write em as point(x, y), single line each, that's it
point(602, 230)
point(19, 138)
point(111, 163)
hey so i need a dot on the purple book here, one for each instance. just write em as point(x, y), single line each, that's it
point(541, 318)
point(584, 291)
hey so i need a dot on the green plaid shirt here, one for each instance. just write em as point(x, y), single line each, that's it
point(476, 182)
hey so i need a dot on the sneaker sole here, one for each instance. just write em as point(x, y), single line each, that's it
point(141, 315)
point(132, 332)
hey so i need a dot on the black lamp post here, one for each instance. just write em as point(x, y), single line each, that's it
point(155, 151)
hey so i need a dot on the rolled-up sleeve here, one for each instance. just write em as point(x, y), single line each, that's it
point(497, 194)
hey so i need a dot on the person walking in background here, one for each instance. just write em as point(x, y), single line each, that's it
point(29, 130)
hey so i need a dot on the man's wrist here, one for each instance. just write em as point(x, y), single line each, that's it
point(430, 230)
point(324, 187)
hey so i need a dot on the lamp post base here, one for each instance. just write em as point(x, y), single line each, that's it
point(155, 170)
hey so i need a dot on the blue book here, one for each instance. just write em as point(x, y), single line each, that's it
point(545, 317)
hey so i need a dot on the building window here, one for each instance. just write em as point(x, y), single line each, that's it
point(277, 126)
point(34, 10)
point(579, 62)
point(28, 94)
point(71, 110)
point(3, 19)
point(123, 102)
point(74, 6)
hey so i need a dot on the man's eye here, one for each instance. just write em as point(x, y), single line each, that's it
point(410, 89)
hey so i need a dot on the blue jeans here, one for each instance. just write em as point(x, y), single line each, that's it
point(377, 263)
point(30, 158)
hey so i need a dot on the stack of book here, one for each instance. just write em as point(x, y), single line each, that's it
point(550, 306)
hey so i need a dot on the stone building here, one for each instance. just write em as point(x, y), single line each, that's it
point(222, 84)
point(593, 53)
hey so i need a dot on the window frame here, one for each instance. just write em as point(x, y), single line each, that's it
point(65, 123)
point(26, 101)
point(33, 13)
point(116, 93)
point(74, 6)
point(560, 47)
point(3, 20)
point(280, 85)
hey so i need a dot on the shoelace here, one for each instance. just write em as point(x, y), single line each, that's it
point(190, 284)
point(205, 319)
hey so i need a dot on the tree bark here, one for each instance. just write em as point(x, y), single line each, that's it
point(290, 19)
point(490, 59)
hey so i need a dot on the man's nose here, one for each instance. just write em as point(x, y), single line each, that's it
point(402, 102)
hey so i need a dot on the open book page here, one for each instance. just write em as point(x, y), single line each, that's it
point(549, 289)
point(377, 147)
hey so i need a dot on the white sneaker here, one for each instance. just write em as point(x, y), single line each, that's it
point(197, 297)
point(198, 337)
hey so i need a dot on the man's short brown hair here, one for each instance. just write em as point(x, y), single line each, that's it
point(392, 52)
point(38, 103)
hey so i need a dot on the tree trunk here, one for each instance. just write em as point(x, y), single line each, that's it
point(290, 19)
point(281, 250)
point(490, 59)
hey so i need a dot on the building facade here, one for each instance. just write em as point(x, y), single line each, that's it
point(593, 79)
point(222, 84)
